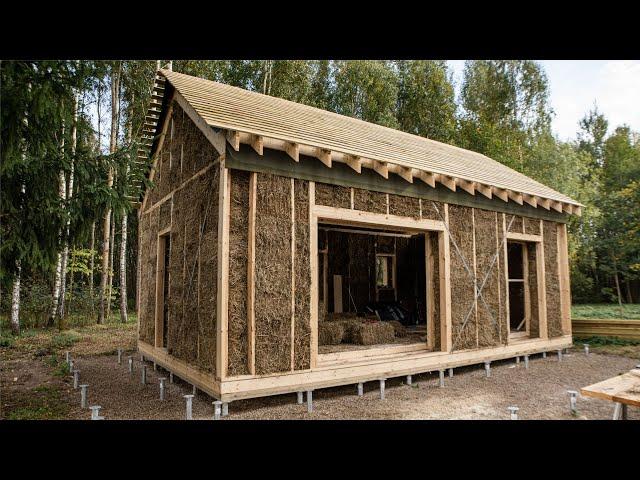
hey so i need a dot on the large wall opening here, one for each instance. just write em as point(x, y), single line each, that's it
point(372, 288)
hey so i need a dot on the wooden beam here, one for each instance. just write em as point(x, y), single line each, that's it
point(568, 208)
point(444, 271)
point(324, 156)
point(577, 210)
point(382, 168)
point(345, 216)
point(293, 150)
point(313, 250)
point(544, 202)
point(500, 193)
point(222, 324)
point(564, 279)
point(542, 288)
point(293, 275)
point(523, 237)
point(251, 277)
point(354, 162)
point(448, 182)
point(484, 190)
point(469, 187)
point(426, 177)
point(405, 172)
point(257, 143)
point(557, 206)
point(217, 139)
point(515, 196)
point(233, 137)
point(530, 199)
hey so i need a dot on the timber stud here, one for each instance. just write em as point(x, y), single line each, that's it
point(514, 412)
point(409, 380)
point(217, 409)
point(162, 380)
point(76, 377)
point(130, 364)
point(586, 348)
point(189, 412)
point(382, 380)
point(83, 396)
point(360, 389)
point(119, 356)
point(144, 374)
point(95, 412)
point(309, 401)
point(487, 369)
point(451, 373)
point(526, 361)
point(441, 373)
point(573, 396)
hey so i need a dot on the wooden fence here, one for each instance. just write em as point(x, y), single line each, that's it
point(626, 329)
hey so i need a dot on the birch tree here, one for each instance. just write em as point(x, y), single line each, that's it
point(106, 230)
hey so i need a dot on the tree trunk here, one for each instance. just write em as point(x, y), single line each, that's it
point(123, 268)
point(615, 270)
point(112, 243)
point(628, 286)
point(115, 108)
point(62, 191)
point(69, 196)
point(15, 303)
point(91, 264)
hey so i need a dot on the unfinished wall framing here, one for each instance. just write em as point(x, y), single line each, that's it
point(246, 277)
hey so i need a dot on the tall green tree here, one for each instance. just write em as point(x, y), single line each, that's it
point(426, 99)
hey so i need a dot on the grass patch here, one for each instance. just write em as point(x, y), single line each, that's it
point(44, 403)
point(6, 342)
point(599, 341)
point(63, 340)
point(606, 310)
point(60, 367)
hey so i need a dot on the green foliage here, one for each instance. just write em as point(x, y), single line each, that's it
point(603, 310)
point(46, 403)
point(598, 341)
point(63, 340)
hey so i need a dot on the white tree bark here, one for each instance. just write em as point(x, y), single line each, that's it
point(15, 302)
point(92, 263)
point(123, 245)
point(69, 195)
point(62, 191)
point(112, 243)
point(115, 108)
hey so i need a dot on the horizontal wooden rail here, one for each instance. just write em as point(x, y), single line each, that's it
point(606, 327)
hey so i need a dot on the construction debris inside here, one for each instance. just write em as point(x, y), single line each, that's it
point(372, 288)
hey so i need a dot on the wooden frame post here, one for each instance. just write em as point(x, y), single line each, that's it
point(542, 286)
point(222, 323)
point(251, 278)
point(564, 279)
point(313, 249)
point(160, 273)
point(446, 341)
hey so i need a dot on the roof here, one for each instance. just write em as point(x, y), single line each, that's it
point(248, 116)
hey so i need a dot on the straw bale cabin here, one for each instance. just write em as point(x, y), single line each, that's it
point(284, 248)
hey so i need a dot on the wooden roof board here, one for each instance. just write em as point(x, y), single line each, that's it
point(233, 108)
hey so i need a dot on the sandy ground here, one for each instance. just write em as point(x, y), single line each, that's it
point(540, 392)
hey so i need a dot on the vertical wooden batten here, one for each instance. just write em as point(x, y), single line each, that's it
point(293, 274)
point(251, 277)
point(563, 276)
point(313, 251)
point(222, 324)
point(542, 289)
point(446, 339)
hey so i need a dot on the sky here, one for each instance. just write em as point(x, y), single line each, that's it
point(576, 85)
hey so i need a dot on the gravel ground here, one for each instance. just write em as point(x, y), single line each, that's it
point(539, 392)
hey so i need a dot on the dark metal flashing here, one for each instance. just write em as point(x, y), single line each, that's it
point(309, 168)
